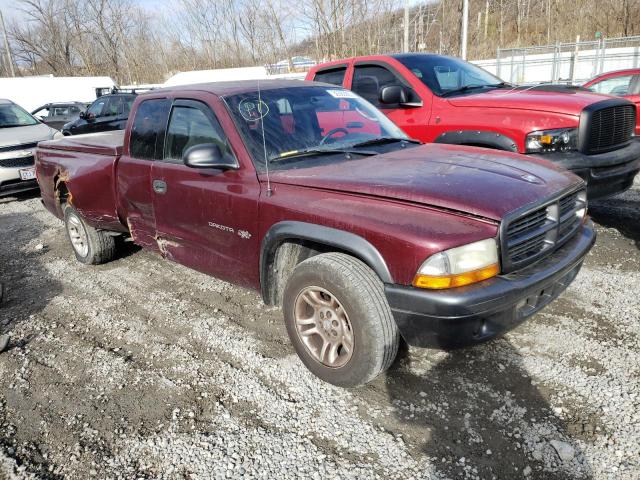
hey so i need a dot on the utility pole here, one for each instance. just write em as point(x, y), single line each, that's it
point(464, 29)
point(6, 46)
point(406, 26)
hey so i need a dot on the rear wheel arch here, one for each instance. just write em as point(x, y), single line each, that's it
point(289, 243)
point(478, 138)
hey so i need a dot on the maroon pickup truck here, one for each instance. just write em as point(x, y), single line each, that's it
point(308, 194)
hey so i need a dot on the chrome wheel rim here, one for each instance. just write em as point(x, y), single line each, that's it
point(323, 327)
point(78, 235)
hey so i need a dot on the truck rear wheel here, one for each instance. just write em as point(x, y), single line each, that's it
point(90, 246)
point(338, 319)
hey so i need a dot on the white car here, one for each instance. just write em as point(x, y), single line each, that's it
point(20, 132)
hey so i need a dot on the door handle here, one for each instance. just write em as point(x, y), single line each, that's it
point(160, 186)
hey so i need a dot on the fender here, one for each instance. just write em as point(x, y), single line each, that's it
point(332, 237)
point(478, 138)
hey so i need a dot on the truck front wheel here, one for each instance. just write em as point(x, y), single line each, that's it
point(338, 319)
point(90, 246)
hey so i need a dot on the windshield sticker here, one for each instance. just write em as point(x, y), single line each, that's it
point(342, 94)
point(253, 110)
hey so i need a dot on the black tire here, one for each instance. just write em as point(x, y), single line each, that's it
point(360, 292)
point(100, 245)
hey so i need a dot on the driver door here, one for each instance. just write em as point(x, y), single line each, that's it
point(93, 113)
point(206, 218)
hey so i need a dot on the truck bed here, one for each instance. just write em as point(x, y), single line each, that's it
point(82, 163)
point(103, 143)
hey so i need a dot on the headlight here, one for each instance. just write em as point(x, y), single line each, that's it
point(58, 136)
point(558, 140)
point(459, 266)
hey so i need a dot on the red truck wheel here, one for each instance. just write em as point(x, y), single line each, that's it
point(338, 319)
point(90, 246)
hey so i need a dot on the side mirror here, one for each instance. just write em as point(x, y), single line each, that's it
point(208, 155)
point(398, 95)
point(394, 94)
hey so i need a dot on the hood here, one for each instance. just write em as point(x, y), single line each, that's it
point(477, 181)
point(552, 98)
point(28, 134)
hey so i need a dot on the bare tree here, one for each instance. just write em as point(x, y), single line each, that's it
point(120, 39)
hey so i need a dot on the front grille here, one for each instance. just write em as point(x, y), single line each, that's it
point(610, 127)
point(17, 162)
point(530, 235)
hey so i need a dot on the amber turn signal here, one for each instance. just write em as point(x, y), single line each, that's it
point(458, 280)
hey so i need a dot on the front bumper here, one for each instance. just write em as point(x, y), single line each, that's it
point(607, 173)
point(10, 182)
point(476, 313)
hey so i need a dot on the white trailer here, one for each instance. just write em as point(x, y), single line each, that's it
point(227, 74)
point(33, 92)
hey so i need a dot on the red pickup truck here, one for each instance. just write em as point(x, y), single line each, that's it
point(310, 195)
point(440, 99)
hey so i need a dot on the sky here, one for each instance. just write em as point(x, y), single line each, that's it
point(10, 9)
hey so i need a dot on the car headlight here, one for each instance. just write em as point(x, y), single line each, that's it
point(58, 136)
point(558, 140)
point(459, 266)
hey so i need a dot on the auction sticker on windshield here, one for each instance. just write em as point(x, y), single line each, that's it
point(27, 173)
point(342, 93)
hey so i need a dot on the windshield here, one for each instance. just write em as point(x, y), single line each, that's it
point(446, 75)
point(11, 115)
point(311, 119)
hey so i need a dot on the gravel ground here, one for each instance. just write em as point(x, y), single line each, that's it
point(141, 368)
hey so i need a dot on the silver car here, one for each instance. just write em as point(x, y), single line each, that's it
point(20, 132)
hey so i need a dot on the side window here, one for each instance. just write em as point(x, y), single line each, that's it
point(147, 131)
point(613, 86)
point(60, 111)
point(192, 124)
point(97, 107)
point(42, 113)
point(369, 80)
point(114, 106)
point(126, 105)
point(334, 76)
point(74, 110)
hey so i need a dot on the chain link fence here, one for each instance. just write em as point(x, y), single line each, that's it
point(573, 62)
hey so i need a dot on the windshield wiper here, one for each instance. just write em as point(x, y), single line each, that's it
point(466, 88)
point(380, 140)
point(500, 85)
point(322, 151)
